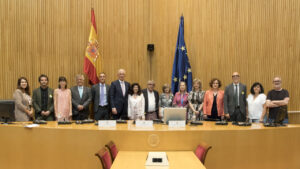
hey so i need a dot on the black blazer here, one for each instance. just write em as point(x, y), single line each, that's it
point(117, 100)
point(145, 93)
point(96, 96)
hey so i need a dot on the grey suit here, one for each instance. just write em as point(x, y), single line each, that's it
point(236, 112)
point(85, 101)
point(101, 112)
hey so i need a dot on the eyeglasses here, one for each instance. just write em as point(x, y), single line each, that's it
point(277, 81)
point(235, 75)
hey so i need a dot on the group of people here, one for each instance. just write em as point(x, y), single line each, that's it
point(120, 100)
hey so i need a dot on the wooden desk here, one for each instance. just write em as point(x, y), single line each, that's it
point(73, 146)
point(137, 159)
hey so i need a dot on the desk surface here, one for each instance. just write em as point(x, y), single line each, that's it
point(207, 126)
point(137, 159)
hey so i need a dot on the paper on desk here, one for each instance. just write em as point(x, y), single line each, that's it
point(32, 125)
point(162, 155)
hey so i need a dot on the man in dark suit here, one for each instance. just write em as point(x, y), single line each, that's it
point(43, 100)
point(100, 93)
point(151, 101)
point(81, 99)
point(235, 104)
point(119, 96)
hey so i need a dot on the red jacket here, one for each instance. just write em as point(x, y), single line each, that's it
point(208, 102)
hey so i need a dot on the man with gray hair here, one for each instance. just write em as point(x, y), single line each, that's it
point(118, 94)
point(151, 101)
point(81, 99)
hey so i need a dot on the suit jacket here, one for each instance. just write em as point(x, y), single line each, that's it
point(37, 104)
point(229, 105)
point(21, 105)
point(96, 96)
point(156, 95)
point(85, 100)
point(209, 100)
point(117, 100)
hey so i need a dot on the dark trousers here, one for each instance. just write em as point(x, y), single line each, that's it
point(102, 113)
point(50, 117)
point(237, 115)
point(80, 116)
point(121, 115)
point(122, 112)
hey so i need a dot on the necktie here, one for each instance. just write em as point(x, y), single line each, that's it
point(102, 95)
point(123, 88)
point(236, 95)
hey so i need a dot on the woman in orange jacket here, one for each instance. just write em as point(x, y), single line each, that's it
point(213, 104)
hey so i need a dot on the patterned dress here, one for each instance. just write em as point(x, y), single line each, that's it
point(165, 101)
point(196, 98)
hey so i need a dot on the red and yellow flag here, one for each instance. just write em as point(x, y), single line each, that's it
point(92, 53)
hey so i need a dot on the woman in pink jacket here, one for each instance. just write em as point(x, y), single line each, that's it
point(213, 104)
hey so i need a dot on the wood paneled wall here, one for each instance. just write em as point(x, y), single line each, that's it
point(258, 38)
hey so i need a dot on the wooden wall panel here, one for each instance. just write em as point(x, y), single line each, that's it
point(258, 38)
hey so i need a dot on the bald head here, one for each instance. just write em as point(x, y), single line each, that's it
point(277, 83)
point(236, 77)
point(121, 74)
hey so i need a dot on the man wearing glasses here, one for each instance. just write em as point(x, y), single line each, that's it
point(277, 101)
point(235, 104)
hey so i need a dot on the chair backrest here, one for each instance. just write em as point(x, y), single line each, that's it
point(201, 151)
point(104, 157)
point(112, 149)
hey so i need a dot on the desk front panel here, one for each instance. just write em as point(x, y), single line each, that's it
point(73, 146)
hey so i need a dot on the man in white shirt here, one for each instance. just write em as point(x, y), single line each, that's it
point(151, 101)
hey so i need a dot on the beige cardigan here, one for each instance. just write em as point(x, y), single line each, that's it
point(21, 104)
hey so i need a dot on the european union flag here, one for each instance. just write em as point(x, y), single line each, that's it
point(181, 67)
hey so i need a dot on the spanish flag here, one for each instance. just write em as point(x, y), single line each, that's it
point(92, 53)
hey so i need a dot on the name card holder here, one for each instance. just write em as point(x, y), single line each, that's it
point(107, 124)
point(144, 123)
point(177, 124)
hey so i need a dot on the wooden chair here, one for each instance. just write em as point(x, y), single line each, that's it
point(201, 151)
point(112, 150)
point(104, 156)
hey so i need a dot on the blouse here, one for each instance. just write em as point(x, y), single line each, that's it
point(136, 107)
point(165, 101)
point(63, 104)
point(256, 106)
point(180, 100)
